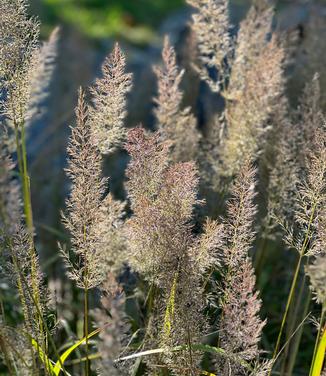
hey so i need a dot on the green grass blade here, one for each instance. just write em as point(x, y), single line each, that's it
point(320, 356)
point(66, 354)
point(81, 360)
point(44, 358)
point(170, 307)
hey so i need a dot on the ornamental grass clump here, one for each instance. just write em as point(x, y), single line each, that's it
point(249, 71)
point(162, 199)
point(25, 72)
point(93, 219)
point(169, 290)
point(306, 234)
point(165, 250)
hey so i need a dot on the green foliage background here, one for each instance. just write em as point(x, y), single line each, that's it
point(135, 20)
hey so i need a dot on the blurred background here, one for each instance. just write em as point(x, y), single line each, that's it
point(89, 28)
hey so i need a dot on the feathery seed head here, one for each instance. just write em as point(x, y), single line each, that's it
point(211, 27)
point(311, 196)
point(284, 170)
point(26, 67)
point(162, 199)
point(256, 83)
point(83, 217)
point(162, 245)
point(109, 102)
point(240, 325)
point(18, 38)
point(241, 211)
point(252, 40)
point(175, 124)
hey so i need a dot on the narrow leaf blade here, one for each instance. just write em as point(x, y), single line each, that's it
point(66, 354)
point(320, 356)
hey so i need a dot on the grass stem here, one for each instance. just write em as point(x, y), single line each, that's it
point(321, 323)
point(294, 283)
point(86, 329)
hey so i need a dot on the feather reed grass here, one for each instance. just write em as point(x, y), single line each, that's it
point(173, 292)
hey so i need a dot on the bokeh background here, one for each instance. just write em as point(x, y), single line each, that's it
point(89, 28)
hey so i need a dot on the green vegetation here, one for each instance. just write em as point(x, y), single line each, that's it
point(133, 20)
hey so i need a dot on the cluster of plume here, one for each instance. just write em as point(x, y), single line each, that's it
point(249, 72)
point(166, 252)
point(170, 289)
point(297, 179)
point(296, 191)
point(94, 218)
point(162, 199)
